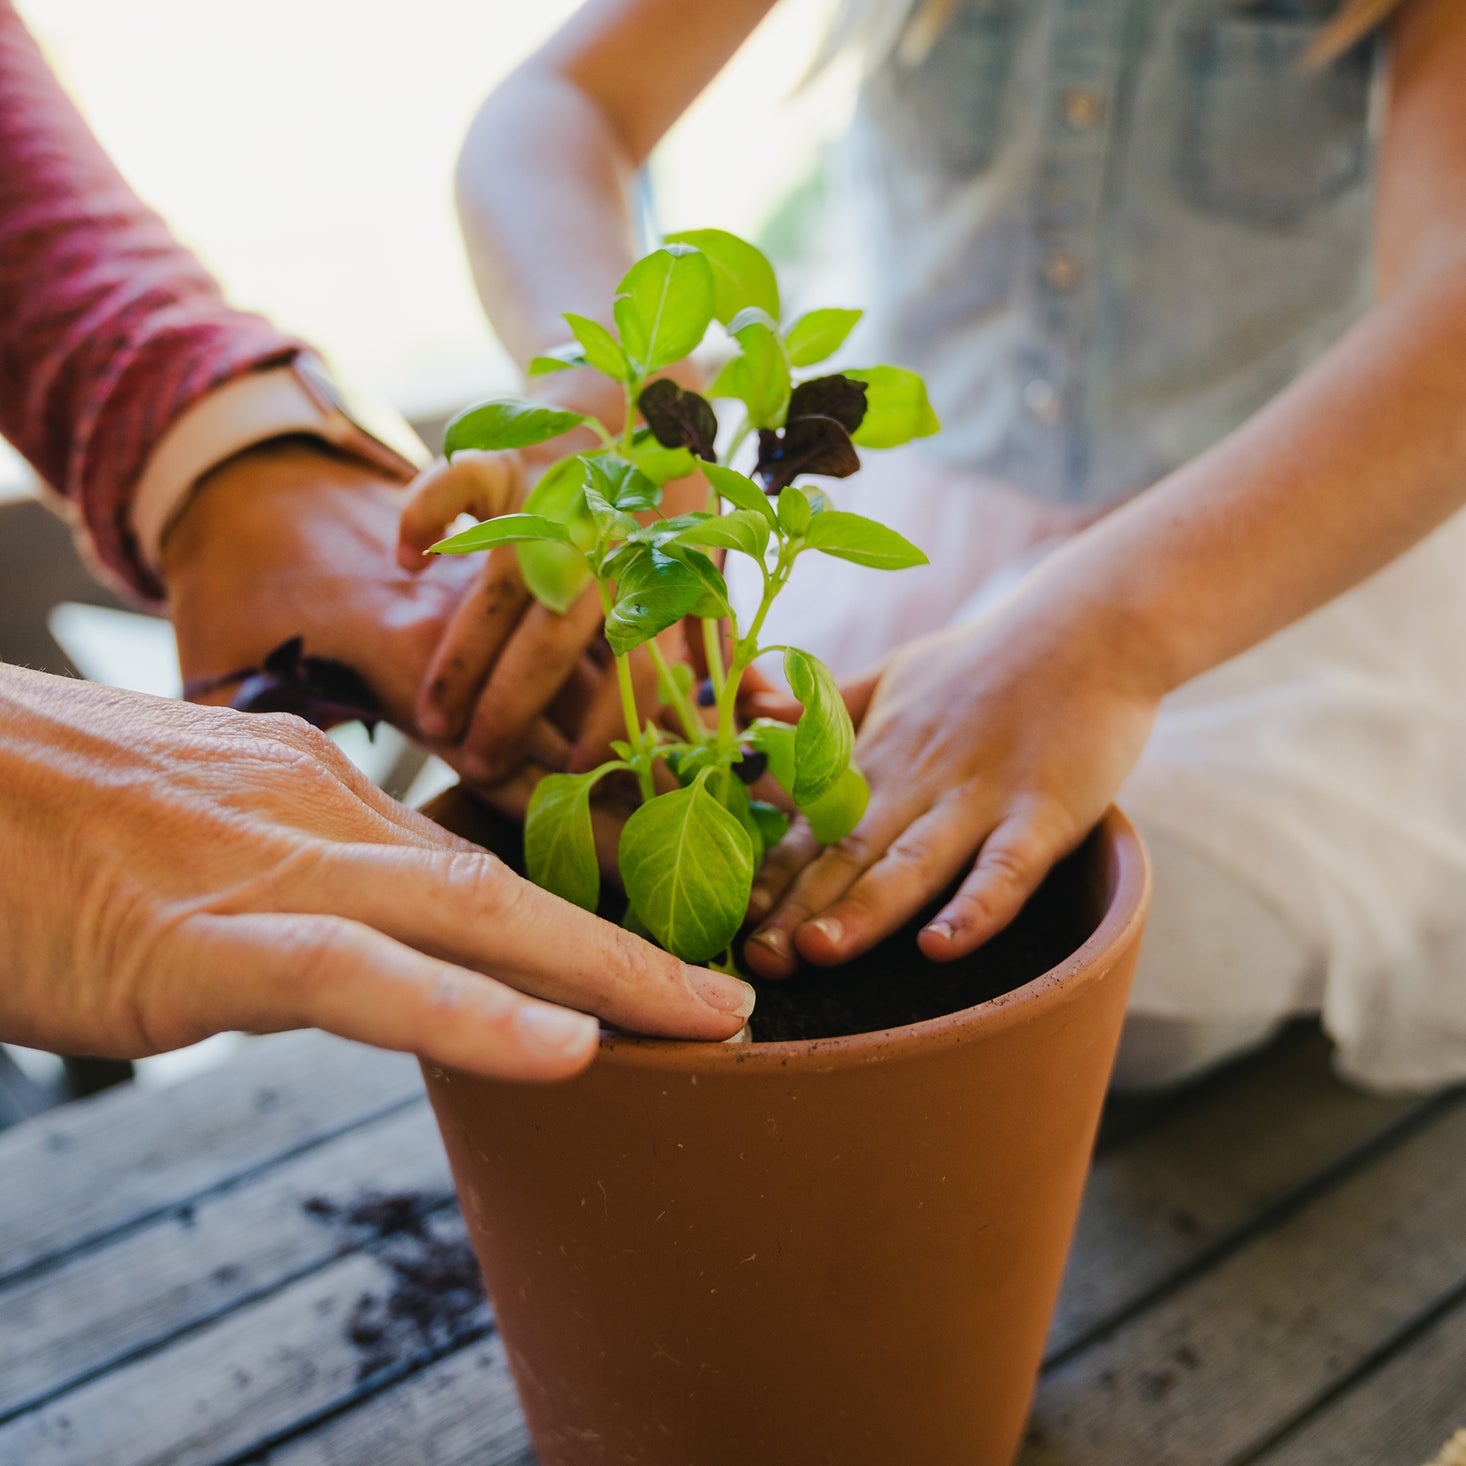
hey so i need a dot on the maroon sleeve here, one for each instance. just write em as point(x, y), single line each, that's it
point(109, 328)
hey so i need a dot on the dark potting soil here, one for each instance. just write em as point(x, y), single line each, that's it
point(436, 1300)
point(893, 984)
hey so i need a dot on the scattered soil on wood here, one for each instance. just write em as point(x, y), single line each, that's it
point(436, 1300)
point(893, 984)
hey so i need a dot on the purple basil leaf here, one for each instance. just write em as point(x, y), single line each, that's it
point(836, 396)
point(679, 419)
point(321, 690)
point(810, 445)
point(823, 413)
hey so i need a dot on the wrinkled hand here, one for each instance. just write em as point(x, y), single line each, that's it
point(179, 870)
point(1003, 741)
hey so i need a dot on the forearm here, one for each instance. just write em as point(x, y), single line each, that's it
point(544, 199)
point(545, 179)
point(1363, 456)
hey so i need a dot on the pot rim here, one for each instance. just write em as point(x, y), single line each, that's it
point(1116, 932)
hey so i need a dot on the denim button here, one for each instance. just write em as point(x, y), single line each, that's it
point(1083, 108)
point(1062, 270)
point(1040, 398)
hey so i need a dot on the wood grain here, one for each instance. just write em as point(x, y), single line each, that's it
point(80, 1173)
point(1221, 1363)
point(105, 1304)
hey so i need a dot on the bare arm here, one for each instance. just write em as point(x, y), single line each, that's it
point(545, 175)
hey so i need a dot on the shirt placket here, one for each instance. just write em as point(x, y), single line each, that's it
point(1057, 276)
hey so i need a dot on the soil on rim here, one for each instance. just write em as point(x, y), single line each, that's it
point(893, 984)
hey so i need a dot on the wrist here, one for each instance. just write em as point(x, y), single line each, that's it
point(270, 490)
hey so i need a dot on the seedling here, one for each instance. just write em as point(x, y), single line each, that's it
point(687, 857)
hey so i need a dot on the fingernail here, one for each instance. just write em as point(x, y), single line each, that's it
point(433, 722)
point(774, 939)
point(829, 929)
point(556, 1029)
point(717, 990)
point(942, 930)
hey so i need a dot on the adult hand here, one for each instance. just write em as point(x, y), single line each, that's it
point(179, 870)
point(1005, 741)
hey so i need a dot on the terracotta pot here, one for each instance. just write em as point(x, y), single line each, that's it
point(792, 1254)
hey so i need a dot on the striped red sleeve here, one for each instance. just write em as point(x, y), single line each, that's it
point(109, 329)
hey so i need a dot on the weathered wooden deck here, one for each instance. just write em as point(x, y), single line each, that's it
point(1270, 1269)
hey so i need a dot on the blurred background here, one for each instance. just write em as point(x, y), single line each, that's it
point(305, 149)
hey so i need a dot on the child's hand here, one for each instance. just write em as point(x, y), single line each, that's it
point(504, 664)
point(1006, 741)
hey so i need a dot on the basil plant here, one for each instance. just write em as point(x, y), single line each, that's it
point(687, 857)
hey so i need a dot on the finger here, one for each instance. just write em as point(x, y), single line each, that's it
point(858, 692)
point(1010, 867)
point(464, 659)
point(485, 485)
point(918, 865)
point(268, 971)
point(605, 719)
point(529, 672)
point(809, 880)
point(472, 909)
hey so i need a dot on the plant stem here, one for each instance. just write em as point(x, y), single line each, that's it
point(628, 710)
point(692, 725)
point(712, 644)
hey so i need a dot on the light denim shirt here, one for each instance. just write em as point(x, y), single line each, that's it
point(1107, 231)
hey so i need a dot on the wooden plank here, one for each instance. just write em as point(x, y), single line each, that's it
point(79, 1173)
point(1157, 1203)
point(1214, 1368)
point(227, 1389)
point(1403, 1411)
point(461, 1411)
point(106, 1303)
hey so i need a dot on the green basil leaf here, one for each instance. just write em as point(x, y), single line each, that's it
point(776, 742)
point(740, 530)
point(508, 422)
point(561, 359)
point(508, 529)
point(795, 510)
point(664, 306)
point(740, 491)
point(556, 573)
point(687, 865)
point(623, 485)
point(653, 592)
point(731, 792)
point(896, 410)
point(862, 541)
point(760, 376)
point(839, 809)
point(818, 335)
point(599, 347)
point(661, 465)
point(824, 737)
point(741, 275)
point(712, 604)
point(559, 842)
point(772, 822)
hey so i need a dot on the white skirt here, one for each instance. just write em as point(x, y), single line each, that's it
point(1324, 770)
